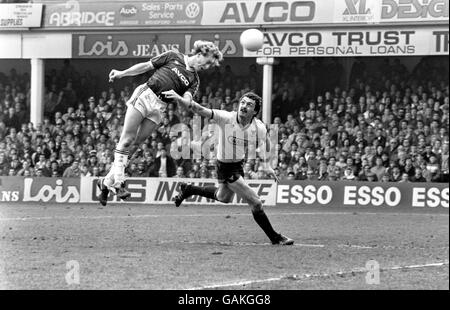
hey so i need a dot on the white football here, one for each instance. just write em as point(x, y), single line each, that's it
point(252, 39)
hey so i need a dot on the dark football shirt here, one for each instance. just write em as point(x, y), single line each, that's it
point(171, 73)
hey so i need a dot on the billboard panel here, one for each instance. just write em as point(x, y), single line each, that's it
point(20, 15)
point(161, 191)
point(250, 12)
point(390, 11)
point(148, 45)
point(74, 14)
point(363, 194)
point(242, 13)
point(351, 42)
point(323, 12)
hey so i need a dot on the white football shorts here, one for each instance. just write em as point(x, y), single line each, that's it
point(147, 103)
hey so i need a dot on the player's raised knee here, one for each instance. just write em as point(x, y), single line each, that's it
point(126, 141)
point(225, 198)
point(256, 205)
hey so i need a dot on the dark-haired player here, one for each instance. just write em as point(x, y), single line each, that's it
point(174, 71)
point(239, 133)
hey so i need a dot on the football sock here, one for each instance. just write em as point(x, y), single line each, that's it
point(207, 191)
point(263, 222)
point(118, 167)
point(120, 158)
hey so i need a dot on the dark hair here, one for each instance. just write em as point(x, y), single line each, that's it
point(254, 97)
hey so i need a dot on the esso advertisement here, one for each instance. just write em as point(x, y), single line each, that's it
point(363, 194)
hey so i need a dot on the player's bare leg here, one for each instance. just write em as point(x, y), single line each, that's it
point(225, 193)
point(145, 129)
point(114, 181)
point(221, 193)
point(244, 191)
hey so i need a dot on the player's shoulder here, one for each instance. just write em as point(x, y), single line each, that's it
point(260, 125)
point(172, 54)
point(177, 54)
point(225, 114)
point(259, 122)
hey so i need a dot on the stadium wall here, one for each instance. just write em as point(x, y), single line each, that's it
point(159, 191)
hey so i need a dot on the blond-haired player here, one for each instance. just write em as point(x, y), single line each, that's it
point(173, 71)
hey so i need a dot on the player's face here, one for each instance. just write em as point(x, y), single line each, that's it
point(203, 62)
point(247, 107)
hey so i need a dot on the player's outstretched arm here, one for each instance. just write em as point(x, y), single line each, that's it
point(188, 103)
point(201, 110)
point(132, 71)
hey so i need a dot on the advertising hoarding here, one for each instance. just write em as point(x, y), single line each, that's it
point(148, 45)
point(75, 15)
point(20, 15)
point(350, 42)
point(244, 13)
point(301, 194)
point(363, 194)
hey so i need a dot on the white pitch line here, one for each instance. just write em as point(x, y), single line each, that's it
point(314, 275)
point(45, 218)
point(220, 243)
point(305, 245)
point(358, 246)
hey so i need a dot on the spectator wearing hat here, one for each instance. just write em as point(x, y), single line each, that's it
point(93, 159)
point(290, 176)
point(141, 169)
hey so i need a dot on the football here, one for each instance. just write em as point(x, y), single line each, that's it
point(252, 39)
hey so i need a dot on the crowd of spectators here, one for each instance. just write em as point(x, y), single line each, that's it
point(387, 125)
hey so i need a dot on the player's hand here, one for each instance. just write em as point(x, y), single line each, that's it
point(172, 95)
point(114, 74)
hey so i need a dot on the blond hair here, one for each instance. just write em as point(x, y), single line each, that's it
point(207, 48)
